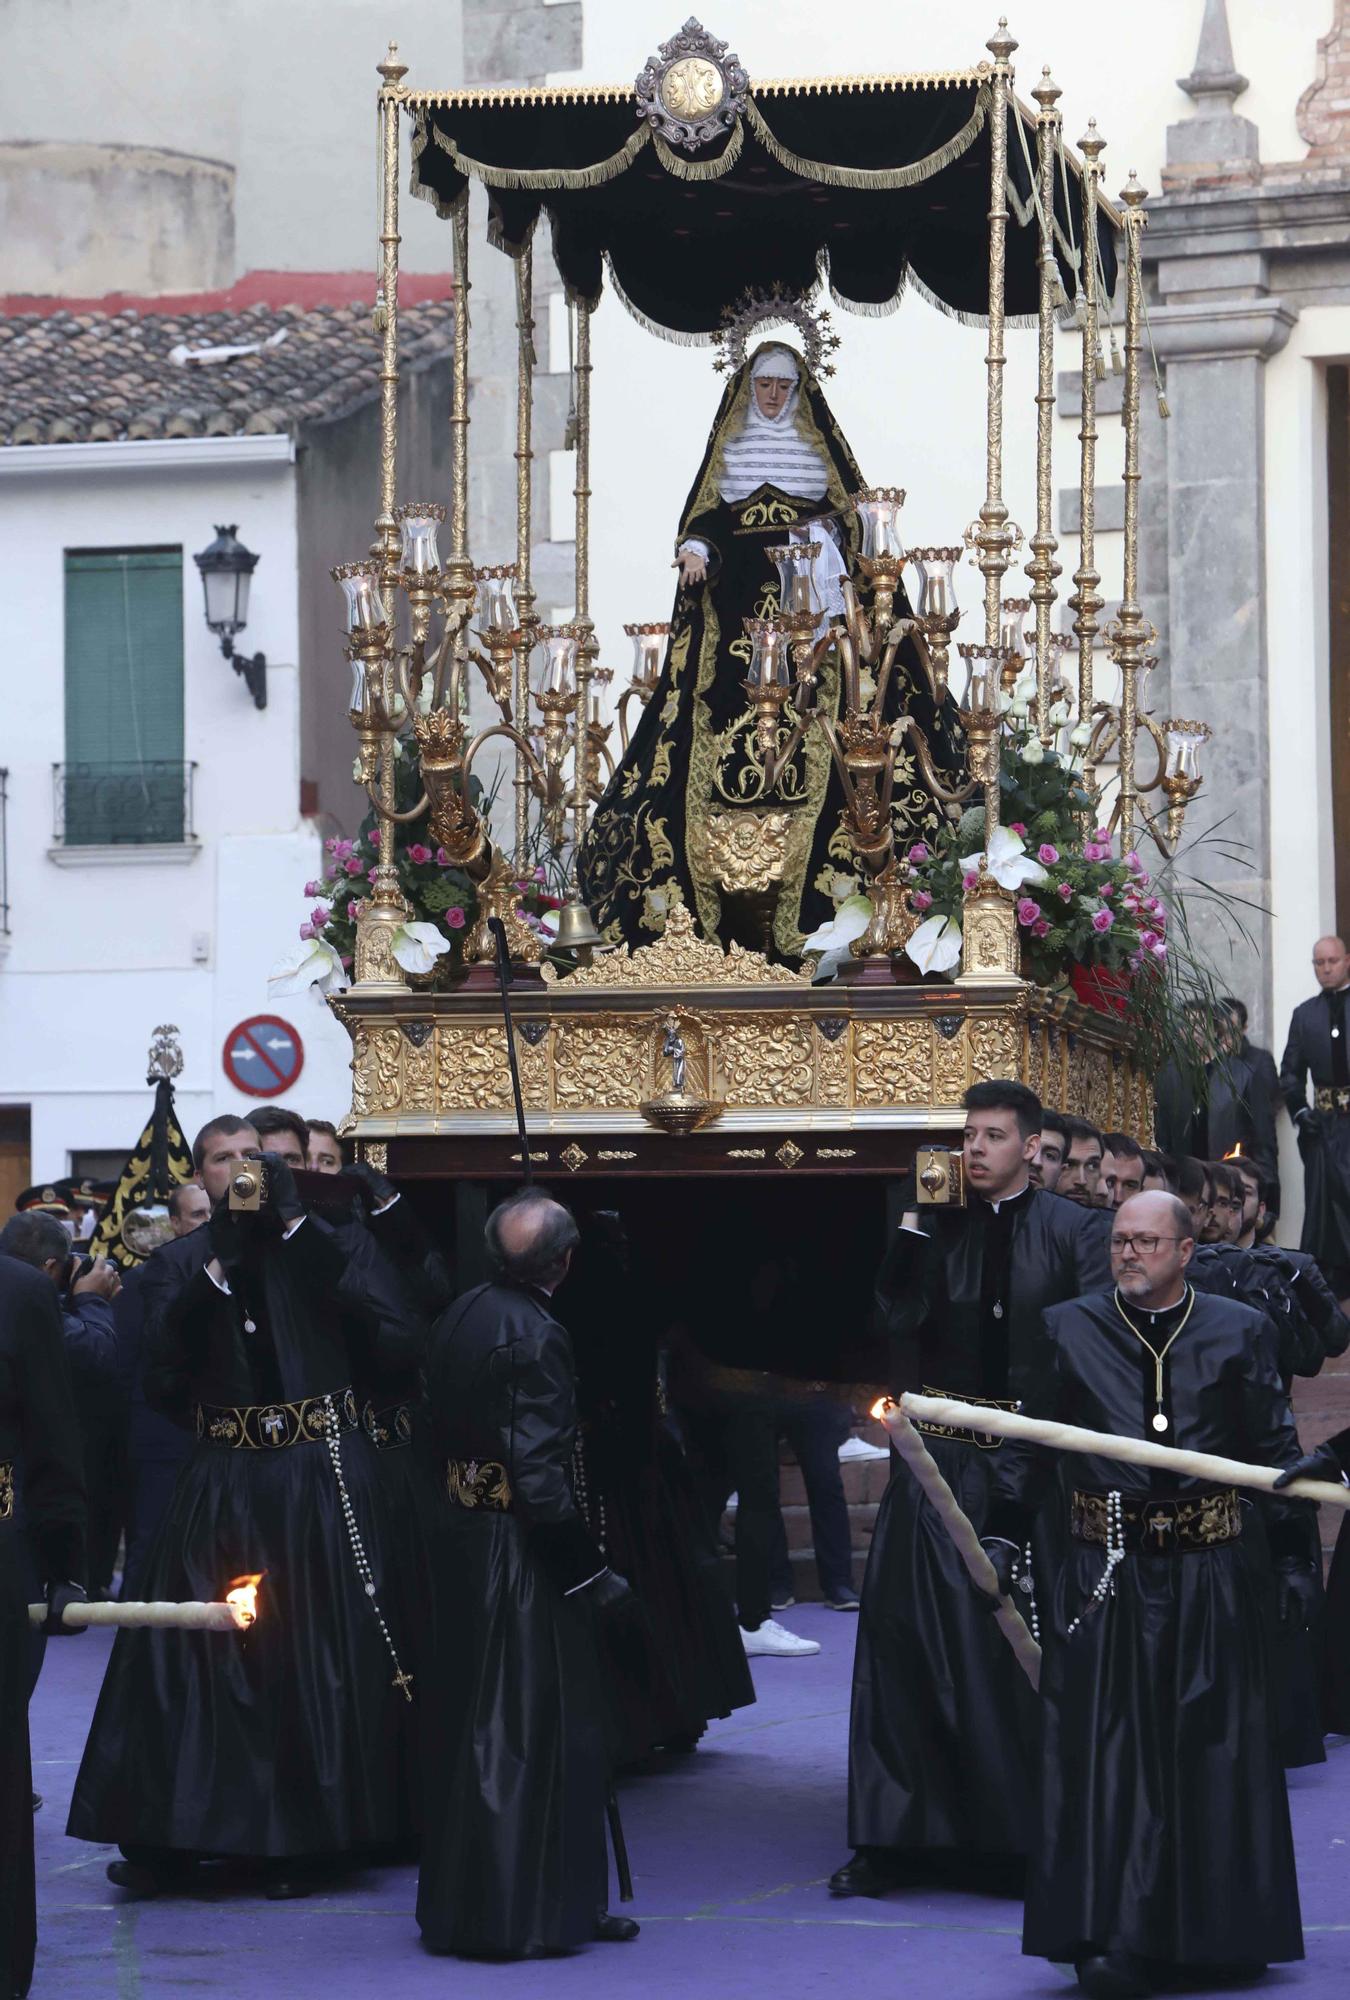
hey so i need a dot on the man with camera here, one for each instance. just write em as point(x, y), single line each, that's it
point(283, 1751)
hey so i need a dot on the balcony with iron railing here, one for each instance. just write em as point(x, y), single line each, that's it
point(123, 804)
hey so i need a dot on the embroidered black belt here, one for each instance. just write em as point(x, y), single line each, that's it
point(387, 1426)
point(1161, 1527)
point(478, 1482)
point(1332, 1097)
point(273, 1426)
point(984, 1439)
point(6, 1491)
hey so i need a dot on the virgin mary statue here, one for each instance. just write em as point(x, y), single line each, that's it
point(776, 467)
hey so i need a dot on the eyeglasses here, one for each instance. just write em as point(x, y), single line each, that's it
point(1225, 1201)
point(1145, 1245)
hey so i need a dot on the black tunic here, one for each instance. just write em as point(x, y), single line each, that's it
point(1317, 1051)
point(942, 1734)
point(39, 1454)
point(513, 1853)
point(287, 1742)
point(1164, 1825)
point(1236, 1111)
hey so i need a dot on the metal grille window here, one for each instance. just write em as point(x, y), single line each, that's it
point(124, 779)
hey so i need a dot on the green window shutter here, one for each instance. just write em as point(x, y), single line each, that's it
point(124, 778)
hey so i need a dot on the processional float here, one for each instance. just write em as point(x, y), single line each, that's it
point(950, 184)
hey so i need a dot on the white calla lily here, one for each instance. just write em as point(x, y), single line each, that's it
point(312, 963)
point(1009, 863)
point(935, 945)
point(416, 947)
point(833, 939)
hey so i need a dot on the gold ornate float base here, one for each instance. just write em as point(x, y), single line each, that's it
point(822, 1078)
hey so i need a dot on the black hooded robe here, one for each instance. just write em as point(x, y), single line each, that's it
point(1163, 1818)
point(693, 751)
point(1317, 1050)
point(942, 1736)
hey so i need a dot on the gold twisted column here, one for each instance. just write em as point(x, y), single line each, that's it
point(1129, 633)
point(386, 528)
point(459, 569)
point(1086, 601)
point(520, 693)
point(1043, 569)
point(991, 534)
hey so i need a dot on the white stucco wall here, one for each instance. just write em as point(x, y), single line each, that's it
point(101, 954)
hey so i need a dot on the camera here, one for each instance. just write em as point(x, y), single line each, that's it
point(249, 1190)
point(76, 1267)
point(939, 1177)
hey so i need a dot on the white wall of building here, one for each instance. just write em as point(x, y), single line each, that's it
point(102, 950)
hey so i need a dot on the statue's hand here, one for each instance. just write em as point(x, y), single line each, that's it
point(693, 566)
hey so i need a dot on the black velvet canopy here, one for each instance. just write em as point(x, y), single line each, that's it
point(868, 183)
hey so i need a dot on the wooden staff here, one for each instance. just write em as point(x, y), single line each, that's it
point(188, 1617)
point(1103, 1444)
point(966, 1542)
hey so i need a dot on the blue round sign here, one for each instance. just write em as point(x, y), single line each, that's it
point(263, 1056)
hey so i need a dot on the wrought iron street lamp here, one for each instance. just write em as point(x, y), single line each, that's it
point(227, 571)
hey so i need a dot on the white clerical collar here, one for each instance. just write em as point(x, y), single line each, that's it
point(1016, 1195)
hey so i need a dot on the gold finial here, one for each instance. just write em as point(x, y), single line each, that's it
point(1047, 92)
point(1134, 194)
point(391, 69)
point(1092, 144)
point(1001, 44)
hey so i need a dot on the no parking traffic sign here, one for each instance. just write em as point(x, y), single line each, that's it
point(263, 1056)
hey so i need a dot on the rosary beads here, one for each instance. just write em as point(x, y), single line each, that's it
point(333, 1439)
point(1115, 1555)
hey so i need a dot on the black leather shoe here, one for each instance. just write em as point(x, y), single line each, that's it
point(615, 1930)
point(867, 1874)
point(137, 1879)
point(1114, 1975)
point(37, 1802)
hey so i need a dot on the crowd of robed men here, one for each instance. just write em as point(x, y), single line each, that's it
point(423, 1677)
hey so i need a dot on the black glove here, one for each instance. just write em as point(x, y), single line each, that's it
point(1296, 1592)
point(610, 1595)
point(377, 1185)
point(1320, 1464)
point(283, 1197)
point(1308, 1131)
point(59, 1595)
point(1005, 1559)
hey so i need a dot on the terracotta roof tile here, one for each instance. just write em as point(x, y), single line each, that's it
point(66, 377)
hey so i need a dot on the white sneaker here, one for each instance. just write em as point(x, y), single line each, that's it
point(853, 1448)
point(775, 1638)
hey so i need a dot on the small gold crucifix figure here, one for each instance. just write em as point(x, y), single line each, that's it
point(404, 1682)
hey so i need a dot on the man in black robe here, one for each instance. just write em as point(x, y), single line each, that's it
point(1316, 1051)
point(1218, 1101)
point(943, 1727)
point(1164, 1846)
point(284, 1749)
point(42, 1493)
point(515, 1760)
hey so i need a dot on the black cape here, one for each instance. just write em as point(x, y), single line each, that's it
point(693, 751)
point(42, 1494)
point(290, 1742)
point(942, 1735)
point(1163, 1821)
point(515, 1764)
point(1313, 1055)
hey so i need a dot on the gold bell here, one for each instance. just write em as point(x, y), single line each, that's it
point(576, 928)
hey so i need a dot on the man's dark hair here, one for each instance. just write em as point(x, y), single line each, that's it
point(1248, 1169)
point(226, 1125)
point(1123, 1146)
point(1163, 1166)
point(34, 1238)
point(1192, 1178)
point(1079, 1128)
point(540, 1259)
point(175, 1200)
point(1003, 1094)
point(322, 1125)
point(272, 1119)
point(1056, 1122)
point(1222, 1174)
point(1238, 1007)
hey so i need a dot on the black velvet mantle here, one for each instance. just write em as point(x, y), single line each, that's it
point(866, 184)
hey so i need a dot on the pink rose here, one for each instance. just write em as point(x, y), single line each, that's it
point(442, 858)
point(919, 851)
point(455, 918)
point(346, 962)
point(307, 931)
point(353, 909)
point(343, 849)
point(1102, 833)
point(1040, 928)
point(1093, 851)
point(971, 879)
point(314, 888)
point(1065, 891)
point(540, 875)
point(374, 836)
point(419, 855)
point(1148, 939)
point(1102, 920)
point(1048, 854)
point(921, 900)
point(1017, 828)
point(353, 866)
point(371, 873)
point(319, 916)
point(1160, 948)
point(1027, 912)
point(331, 843)
point(1107, 891)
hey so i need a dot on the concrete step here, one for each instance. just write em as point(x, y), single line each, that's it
point(797, 1522)
point(865, 1480)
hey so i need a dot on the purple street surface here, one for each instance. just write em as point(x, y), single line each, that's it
point(731, 1848)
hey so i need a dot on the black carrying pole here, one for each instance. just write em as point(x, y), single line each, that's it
point(498, 929)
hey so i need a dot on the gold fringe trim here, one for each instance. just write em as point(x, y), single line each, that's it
point(619, 93)
point(677, 336)
point(421, 135)
point(544, 178)
point(702, 170)
point(865, 178)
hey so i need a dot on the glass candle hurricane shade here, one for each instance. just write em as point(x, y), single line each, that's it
point(878, 510)
point(936, 586)
point(649, 645)
point(798, 591)
point(560, 658)
point(1184, 743)
point(496, 604)
point(361, 590)
point(418, 525)
point(768, 654)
